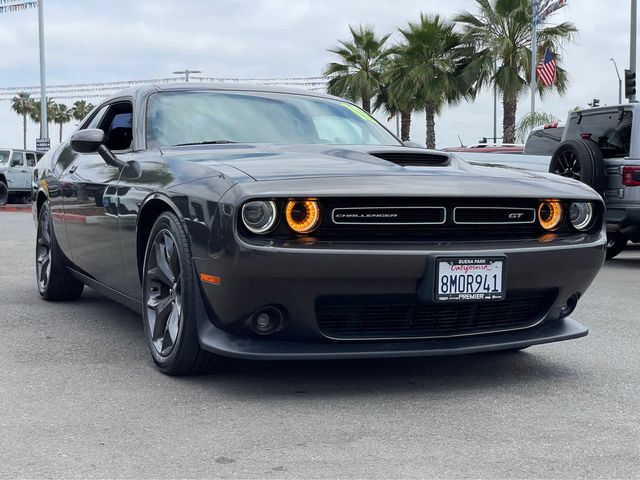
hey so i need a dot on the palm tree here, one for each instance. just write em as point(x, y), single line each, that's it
point(34, 112)
point(21, 104)
point(528, 122)
point(81, 109)
point(501, 35)
point(394, 97)
point(61, 115)
point(357, 77)
point(431, 60)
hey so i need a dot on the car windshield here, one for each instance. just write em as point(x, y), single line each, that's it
point(178, 118)
point(4, 156)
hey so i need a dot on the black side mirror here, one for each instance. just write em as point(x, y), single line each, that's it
point(15, 163)
point(92, 140)
point(87, 141)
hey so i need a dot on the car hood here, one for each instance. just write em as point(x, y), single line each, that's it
point(268, 163)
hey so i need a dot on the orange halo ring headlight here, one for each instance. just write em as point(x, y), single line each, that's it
point(550, 214)
point(303, 216)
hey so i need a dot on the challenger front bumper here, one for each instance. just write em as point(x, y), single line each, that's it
point(223, 343)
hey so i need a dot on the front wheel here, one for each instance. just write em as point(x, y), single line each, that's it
point(169, 301)
point(616, 243)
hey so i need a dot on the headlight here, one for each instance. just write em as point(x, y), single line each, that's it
point(303, 216)
point(259, 216)
point(581, 215)
point(550, 214)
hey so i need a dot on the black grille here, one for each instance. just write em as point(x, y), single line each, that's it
point(413, 159)
point(403, 317)
point(480, 215)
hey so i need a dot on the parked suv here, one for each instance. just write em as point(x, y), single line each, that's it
point(16, 172)
point(601, 147)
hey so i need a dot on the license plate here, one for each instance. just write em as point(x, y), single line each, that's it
point(470, 279)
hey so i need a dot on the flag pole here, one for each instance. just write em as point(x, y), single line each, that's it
point(534, 48)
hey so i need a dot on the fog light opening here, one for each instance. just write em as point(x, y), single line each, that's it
point(267, 320)
point(570, 306)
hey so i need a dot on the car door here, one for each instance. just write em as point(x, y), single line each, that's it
point(17, 176)
point(89, 202)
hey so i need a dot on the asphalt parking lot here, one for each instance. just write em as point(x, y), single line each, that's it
point(79, 397)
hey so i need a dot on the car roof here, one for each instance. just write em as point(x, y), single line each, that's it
point(147, 89)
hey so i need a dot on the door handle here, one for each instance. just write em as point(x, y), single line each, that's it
point(73, 168)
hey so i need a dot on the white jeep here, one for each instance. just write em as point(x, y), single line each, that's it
point(16, 172)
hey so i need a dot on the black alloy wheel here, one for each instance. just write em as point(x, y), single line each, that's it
point(568, 165)
point(164, 293)
point(55, 281)
point(169, 300)
point(43, 250)
point(580, 160)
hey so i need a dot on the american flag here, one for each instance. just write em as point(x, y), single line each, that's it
point(546, 69)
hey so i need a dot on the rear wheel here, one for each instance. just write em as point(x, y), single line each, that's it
point(169, 296)
point(616, 243)
point(55, 282)
point(580, 160)
point(4, 193)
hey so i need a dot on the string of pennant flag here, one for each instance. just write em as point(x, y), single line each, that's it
point(9, 6)
point(103, 89)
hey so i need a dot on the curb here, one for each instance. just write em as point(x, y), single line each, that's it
point(15, 208)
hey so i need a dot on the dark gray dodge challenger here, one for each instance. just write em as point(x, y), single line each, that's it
point(271, 224)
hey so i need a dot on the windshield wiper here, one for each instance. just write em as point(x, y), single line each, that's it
point(208, 142)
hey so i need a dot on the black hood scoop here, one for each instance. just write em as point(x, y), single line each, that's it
point(414, 159)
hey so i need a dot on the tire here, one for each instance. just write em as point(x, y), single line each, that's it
point(581, 160)
point(616, 243)
point(169, 301)
point(4, 193)
point(54, 280)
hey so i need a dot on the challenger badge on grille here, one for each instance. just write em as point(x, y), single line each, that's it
point(389, 215)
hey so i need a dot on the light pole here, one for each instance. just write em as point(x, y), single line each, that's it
point(44, 127)
point(619, 81)
point(186, 72)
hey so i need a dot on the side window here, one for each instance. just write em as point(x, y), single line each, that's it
point(31, 160)
point(94, 121)
point(117, 125)
point(17, 159)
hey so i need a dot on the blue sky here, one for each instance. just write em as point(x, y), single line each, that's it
point(98, 41)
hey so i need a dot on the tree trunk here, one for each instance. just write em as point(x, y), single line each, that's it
point(60, 132)
point(24, 130)
point(405, 125)
point(366, 104)
point(509, 107)
point(431, 126)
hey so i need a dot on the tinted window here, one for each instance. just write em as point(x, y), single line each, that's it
point(543, 142)
point(610, 130)
point(4, 156)
point(31, 160)
point(175, 118)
